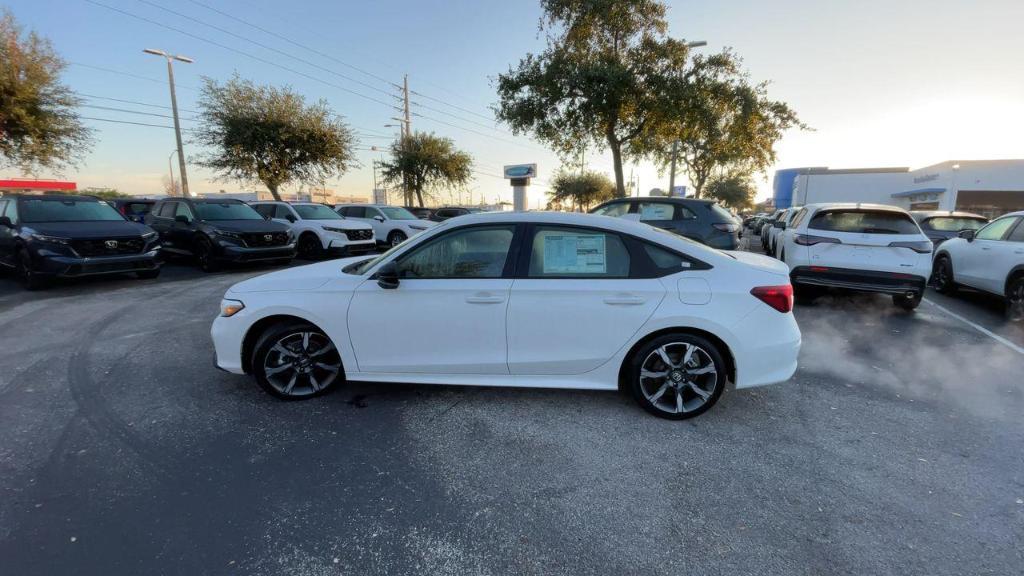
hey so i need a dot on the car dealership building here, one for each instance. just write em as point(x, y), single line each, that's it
point(987, 187)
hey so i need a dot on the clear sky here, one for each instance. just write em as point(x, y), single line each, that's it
point(882, 82)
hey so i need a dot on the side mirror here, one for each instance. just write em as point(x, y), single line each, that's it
point(967, 235)
point(780, 224)
point(6, 222)
point(387, 276)
point(182, 218)
point(378, 218)
point(290, 218)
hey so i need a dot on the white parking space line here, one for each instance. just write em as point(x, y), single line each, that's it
point(981, 329)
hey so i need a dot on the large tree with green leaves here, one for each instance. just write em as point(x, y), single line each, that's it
point(260, 133)
point(424, 163)
point(581, 190)
point(600, 81)
point(718, 121)
point(735, 190)
point(39, 127)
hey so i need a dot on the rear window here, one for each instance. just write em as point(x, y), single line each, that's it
point(864, 222)
point(954, 223)
point(722, 214)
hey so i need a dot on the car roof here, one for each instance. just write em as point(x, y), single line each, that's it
point(75, 197)
point(672, 199)
point(209, 200)
point(1018, 213)
point(855, 206)
point(954, 213)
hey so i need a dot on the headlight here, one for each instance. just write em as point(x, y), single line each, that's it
point(229, 308)
point(415, 227)
point(227, 234)
point(51, 239)
point(338, 230)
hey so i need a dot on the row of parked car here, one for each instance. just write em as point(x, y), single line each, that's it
point(45, 236)
point(877, 248)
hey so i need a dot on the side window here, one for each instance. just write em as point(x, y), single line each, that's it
point(577, 253)
point(799, 216)
point(1018, 233)
point(666, 260)
point(356, 212)
point(372, 212)
point(12, 211)
point(263, 209)
point(183, 210)
point(479, 252)
point(655, 211)
point(617, 209)
point(684, 213)
point(997, 229)
point(167, 209)
point(281, 211)
point(3, 206)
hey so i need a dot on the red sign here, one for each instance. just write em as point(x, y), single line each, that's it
point(38, 185)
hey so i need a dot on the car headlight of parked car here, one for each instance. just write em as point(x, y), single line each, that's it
point(335, 230)
point(227, 234)
point(417, 227)
point(51, 239)
point(229, 308)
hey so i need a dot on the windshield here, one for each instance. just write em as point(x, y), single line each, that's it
point(226, 211)
point(955, 223)
point(397, 213)
point(66, 210)
point(316, 212)
point(864, 222)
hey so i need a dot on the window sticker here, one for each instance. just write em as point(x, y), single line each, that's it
point(655, 212)
point(575, 254)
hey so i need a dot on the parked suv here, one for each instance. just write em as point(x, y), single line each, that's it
point(701, 220)
point(942, 226)
point(391, 224)
point(863, 247)
point(214, 231)
point(70, 236)
point(319, 229)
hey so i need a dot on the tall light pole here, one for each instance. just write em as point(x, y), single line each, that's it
point(174, 106)
point(170, 169)
point(675, 143)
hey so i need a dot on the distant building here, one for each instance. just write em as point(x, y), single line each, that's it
point(29, 186)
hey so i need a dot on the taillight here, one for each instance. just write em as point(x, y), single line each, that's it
point(809, 240)
point(919, 246)
point(726, 227)
point(778, 297)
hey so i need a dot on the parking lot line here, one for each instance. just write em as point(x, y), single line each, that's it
point(979, 328)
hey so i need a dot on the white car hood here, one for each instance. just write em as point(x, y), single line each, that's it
point(760, 261)
point(299, 278)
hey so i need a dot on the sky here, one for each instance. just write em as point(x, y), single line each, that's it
point(880, 82)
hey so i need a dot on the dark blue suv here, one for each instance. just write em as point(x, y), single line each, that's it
point(703, 221)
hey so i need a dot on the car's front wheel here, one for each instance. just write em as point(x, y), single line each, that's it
point(29, 279)
point(397, 237)
point(205, 257)
point(309, 246)
point(296, 360)
point(677, 376)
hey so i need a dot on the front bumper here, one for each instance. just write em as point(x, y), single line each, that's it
point(347, 248)
point(227, 335)
point(75, 267)
point(859, 280)
point(231, 253)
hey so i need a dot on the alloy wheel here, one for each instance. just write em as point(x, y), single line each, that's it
point(678, 377)
point(302, 364)
point(1015, 302)
point(397, 238)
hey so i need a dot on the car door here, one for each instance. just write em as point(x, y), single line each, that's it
point(448, 313)
point(162, 220)
point(181, 233)
point(7, 234)
point(574, 303)
point(982, 256)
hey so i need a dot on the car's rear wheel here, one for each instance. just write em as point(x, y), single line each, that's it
point(677, 376)
point(28, 277)
point(908, 303)
point(397, 237)
point(942, 275)
point(1015, 300)
point(296, 360)
point(205, 257)
point(309, 246)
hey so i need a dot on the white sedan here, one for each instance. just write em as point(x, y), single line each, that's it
point(545, 300)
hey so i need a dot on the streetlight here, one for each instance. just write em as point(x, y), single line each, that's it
point(170, 168)
point(174, 106)
point(675, 143)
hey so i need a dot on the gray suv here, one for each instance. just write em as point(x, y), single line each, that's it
point(703, 221)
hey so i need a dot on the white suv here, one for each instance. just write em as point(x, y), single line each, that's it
point(864, 247)
point(319, 229)
point(391, 224)
point(991, 259)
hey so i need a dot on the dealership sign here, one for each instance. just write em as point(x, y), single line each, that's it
point(521, 171)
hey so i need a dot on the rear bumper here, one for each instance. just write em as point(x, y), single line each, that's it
point(72, 267)
point(243, 254)
point(859, 280)
point(769, 354)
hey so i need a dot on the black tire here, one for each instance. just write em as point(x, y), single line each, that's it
point(396, 237)
point(908, 304)
point(1015, 300)
point(148, 274)
point(205, 258)
point(286, 370)
point(687, 392)
point(310, 247)
point(942, 275)
point(28, 277)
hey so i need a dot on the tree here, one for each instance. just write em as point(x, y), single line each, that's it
point(423, 163)
point(39, 128)
point(103, 192)
point(719, 121)
point(269, 135)
point(580, 191)
point(735, 190)
point(170, 187)
point(600, 80)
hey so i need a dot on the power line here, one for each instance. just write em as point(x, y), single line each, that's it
point(136, 102)
point(127, 111)
point(132, 123)
point(477, 132)
point(452, 105)
point(129, 74)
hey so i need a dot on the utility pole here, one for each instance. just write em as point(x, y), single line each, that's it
point(174, 106)
point(672, 171)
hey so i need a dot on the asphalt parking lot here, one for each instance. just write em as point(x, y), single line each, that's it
point(898, 448)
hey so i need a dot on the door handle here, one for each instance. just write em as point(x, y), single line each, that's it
point(985, 248)
point(624, 300)
point(485, 299)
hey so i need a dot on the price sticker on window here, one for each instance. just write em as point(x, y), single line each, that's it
point(575, 254)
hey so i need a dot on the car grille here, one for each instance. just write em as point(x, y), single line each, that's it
point(359, 234)
point(265, 240)
point(108, 246)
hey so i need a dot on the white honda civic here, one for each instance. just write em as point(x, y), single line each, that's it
point(533, 299)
